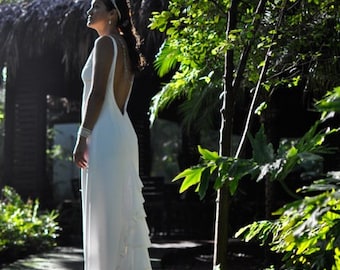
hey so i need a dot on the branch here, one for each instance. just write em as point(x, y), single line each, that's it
point(244, 55)
point(259, 82)
point(219, 7)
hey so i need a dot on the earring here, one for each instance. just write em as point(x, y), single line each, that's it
point(110, 22)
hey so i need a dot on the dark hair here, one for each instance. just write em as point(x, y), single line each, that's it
point(132, 38)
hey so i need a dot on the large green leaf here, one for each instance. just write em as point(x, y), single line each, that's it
point(331, 101)
point(166, 59)
point(306, 231)
point(263, 151)
point(204, 183)
point(191, 177)
point(208, 155)
point(239, 169)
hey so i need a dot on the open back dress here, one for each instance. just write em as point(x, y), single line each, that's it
point(116, 236)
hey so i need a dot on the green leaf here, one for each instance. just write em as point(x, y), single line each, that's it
point(330, 102)
point(261, 108)
point(183, 174)
point(204, 183)
point(192, 176)
point(166, 59)
point(219, 182)
point(263, 151)
point(208, 155)
point(258, 229)
point(292, 152)
point(238, 169)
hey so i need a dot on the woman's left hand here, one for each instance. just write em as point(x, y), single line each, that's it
point(80, 153)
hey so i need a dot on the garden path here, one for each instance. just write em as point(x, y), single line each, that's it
point(175, 255)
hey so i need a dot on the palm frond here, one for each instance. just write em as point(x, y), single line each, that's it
point(166, 59)
point(201, 110)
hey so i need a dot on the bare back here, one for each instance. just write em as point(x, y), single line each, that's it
point(123, 77)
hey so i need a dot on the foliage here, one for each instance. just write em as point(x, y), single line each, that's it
point(56, 152)
point(304, 50)
point(307, 231)
point(330, 103)
point(23, 228)
point(194, 29)
point(213, 167)
point(265, 163)
point(298, 50)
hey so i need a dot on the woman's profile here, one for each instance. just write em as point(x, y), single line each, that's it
point(114, 227)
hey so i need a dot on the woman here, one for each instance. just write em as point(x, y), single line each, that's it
point(115, 231)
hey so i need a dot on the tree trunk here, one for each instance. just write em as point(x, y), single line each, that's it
point(227, 112)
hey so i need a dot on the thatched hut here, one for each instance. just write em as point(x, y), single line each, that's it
point(44, 46)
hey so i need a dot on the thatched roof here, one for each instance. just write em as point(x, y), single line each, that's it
point(28, 28)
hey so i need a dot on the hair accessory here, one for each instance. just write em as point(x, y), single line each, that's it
point(116, 7)
point(84, 132)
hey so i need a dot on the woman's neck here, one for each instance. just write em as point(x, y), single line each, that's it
point(109, 31)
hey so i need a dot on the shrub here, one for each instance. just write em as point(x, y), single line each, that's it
point(307, 231)
point(23, 228)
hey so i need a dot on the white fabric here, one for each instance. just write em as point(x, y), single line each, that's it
point(115, 230)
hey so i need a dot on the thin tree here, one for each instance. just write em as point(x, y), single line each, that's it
point(227, 112)
point(231, 84)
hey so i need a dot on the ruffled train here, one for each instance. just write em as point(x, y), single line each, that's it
point(135, 236)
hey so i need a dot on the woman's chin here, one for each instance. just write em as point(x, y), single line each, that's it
point(89, 22)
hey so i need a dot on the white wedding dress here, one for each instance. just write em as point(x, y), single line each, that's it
point(116, 236)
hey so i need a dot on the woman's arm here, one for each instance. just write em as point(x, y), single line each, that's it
point(102, 61)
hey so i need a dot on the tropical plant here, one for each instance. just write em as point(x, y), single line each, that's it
point(303, 49)
point(307, 231)
point(330, 104)
point(265, 163)
point(272, 44)
point(24, 229)
point(187, 49)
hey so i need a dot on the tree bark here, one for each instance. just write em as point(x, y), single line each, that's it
point(227, 112)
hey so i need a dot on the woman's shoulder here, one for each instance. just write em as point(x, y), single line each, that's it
point(104, 42)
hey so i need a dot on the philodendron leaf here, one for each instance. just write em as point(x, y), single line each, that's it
point(263, 151)
point(192, 176)
point(208, 155)
point(204, 184)
point(239, 169)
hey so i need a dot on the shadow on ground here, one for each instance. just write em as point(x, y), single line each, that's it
point(165, 255)
point(62, 258)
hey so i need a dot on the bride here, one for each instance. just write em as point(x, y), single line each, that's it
point(114, 228)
